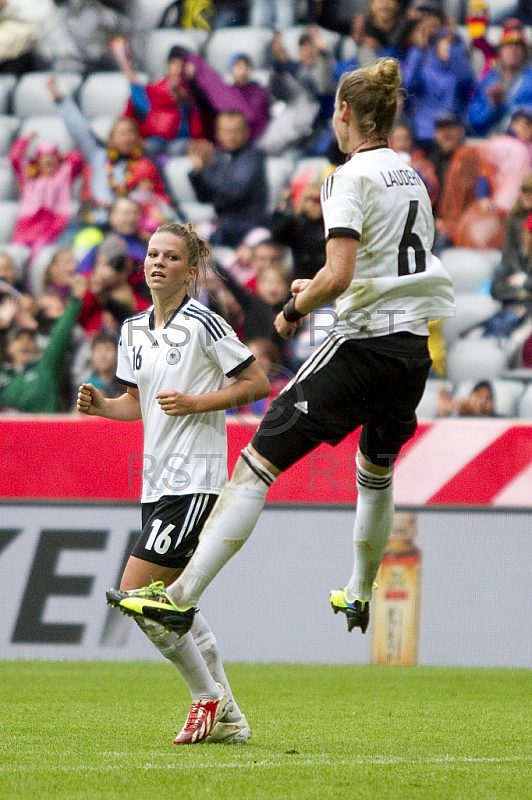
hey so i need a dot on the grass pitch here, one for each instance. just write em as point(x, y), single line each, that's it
point(80, 730)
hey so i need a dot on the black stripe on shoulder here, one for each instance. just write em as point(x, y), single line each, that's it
point(126, 383)
point(137, 316)
point(343, 233)
point(205, 322)
point(240, 367)
point(208, 315)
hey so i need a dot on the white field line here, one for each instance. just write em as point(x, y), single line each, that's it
point(291, 760)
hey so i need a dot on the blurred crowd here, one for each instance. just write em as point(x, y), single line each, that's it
point(72, 270)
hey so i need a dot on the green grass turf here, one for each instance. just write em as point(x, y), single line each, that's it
point(81, 730)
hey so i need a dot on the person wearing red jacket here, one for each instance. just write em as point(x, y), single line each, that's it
point(165, 111)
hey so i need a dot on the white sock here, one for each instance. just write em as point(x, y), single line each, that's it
point(373, 524)
point(229, 525)
point(208, 647)
point(184, 654)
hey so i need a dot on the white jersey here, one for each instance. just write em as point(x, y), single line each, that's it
point(398, 284)
point(192, 354)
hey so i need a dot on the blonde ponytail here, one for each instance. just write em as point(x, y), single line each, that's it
point(373, 94)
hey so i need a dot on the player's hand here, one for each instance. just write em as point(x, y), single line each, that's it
point(90, 400)
point(175, 404)
point(284, 328)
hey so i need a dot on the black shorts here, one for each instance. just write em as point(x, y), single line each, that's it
point(171, 527)
point(376, 383)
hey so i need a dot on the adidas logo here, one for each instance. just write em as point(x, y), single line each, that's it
point(302, 406)
point(155, 344)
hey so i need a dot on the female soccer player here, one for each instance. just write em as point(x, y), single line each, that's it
point(174, 359)
point(371, 369)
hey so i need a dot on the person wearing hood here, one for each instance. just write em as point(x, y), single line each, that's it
point(45, 183)
point(437, 77)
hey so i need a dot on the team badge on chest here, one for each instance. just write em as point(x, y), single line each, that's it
point(173, 356)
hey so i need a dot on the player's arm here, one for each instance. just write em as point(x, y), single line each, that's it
point(125, 408)
point(325, 287)
point(250, 384)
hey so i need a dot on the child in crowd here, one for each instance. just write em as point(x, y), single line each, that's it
point(45, 181)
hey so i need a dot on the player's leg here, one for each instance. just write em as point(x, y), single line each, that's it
point(373, 524)
point(233, 727)
point(380, 442)
point(181, 519)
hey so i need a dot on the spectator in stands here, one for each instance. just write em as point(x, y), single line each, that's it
point(165, 111)
point(21, 25)
point(479, 402)
point(58, 275)
point(512, 282)
point(109, 297)
point(29, 380)
point(213, 94)
point(437, 77)
point(9, 272)
point(146, 188)
point(298, 224)
point(102, 372)
point(46, 185)
point(79, 38)
point(449, 135)
point(232, 178)
point(110, 166)
point(228, 13)
point(402, 142)
point(380, 32)
point(506, 85)
point(521, 125)
point(483, 184)
point(125, 218)
point(306, 86)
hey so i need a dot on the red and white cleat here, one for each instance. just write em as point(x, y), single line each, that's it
point(202, 717)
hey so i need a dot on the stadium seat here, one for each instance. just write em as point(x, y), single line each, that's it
point(8, 129)
point(470, 268)
point(225, 42)
point(7, 83)
point(20, 255)
point(105, 93)
point(8, 216)
point(196, 213)
point(291, 38)
point(279, 170)
point(48, 129)
point(471, 310)
point(8, 183)
point(475, 360)
point(176, 173)
point(428, 405)
point(32, 98)
point(524, 407)
point(101, 126)
point(506, 395)
point(149, 13)
point(159, 42)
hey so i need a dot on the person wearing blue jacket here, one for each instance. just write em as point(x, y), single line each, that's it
point(437, 77)
point(507, 85)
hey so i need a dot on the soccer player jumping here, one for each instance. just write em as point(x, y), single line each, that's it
point(370, 371)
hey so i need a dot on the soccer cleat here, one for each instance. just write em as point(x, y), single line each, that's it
point(357, 612)
point(202, 718)
point(153, 603)
point(225, 732)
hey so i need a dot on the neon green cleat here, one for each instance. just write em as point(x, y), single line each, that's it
point(356, 612)
point(154, 603)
